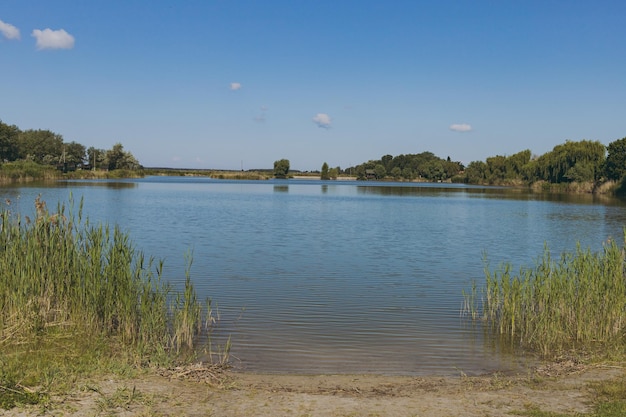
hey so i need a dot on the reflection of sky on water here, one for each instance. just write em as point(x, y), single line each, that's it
point(312, 276)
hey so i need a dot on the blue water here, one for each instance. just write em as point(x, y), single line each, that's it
point(338, 277)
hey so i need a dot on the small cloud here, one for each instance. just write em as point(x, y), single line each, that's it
point(9, 31)
point(235, 86)
point(322, 120)
point(461, 127)
point(53, 39)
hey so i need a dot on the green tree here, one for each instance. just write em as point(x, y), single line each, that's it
point(281, 168)
point(496, 169)
point(615, 165)
point(425, 165)
point(452, 168)
point(75, 153)
point(476, 172)
point(333, 173)
point(420, 163)
point(516, 164)
point(96, 157)
point(324, 174)
point(434, 170)
point(117, 158)
point(380, 171)
point(502, 169)
point(9, 150)
point(130, 162)
point(396, 173)
point(41, 146)
point(387, 162)
point(580, 172)
point(555, 165)
point(360, 173)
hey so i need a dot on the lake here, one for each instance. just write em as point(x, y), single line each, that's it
point(308, 276)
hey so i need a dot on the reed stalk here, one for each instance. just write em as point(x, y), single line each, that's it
point(68, 285)
point(577, 302)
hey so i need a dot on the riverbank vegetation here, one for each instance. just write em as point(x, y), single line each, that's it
point(575, 304)
point(583, 166)
point(424, 166)
point(31, 155)
point(27, 171)
point(259, 174)
point(574, 166)
point(78, 299)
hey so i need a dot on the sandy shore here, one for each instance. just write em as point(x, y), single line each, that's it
point(198, 391)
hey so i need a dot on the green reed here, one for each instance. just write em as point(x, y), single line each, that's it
point(577, 302)
point(26, 171)
point(187, 313)
point(64, 278)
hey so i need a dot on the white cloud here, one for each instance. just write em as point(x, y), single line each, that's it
point(53, 39)
point(235, 86)
point(322, 120)
point(461, 127)
point(9, 31)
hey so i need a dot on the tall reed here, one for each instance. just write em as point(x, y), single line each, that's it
point(187, 313)
point(576, 302)
point(61, 274)
point(19, 171)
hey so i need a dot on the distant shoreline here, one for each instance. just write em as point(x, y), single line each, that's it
point(317, 177)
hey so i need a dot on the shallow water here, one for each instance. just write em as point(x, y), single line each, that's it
point(340, 277)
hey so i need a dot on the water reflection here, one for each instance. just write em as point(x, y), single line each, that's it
point(281, 188)
point(506, 193)
point(114, 184)
point(315, 276)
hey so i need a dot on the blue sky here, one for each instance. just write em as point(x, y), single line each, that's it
point(218, 83)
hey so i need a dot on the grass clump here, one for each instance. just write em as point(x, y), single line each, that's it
point(576, 303)
point(610, 397)
point(77, 298)
point(20, 171)
point(608, 400)
point(13, 393)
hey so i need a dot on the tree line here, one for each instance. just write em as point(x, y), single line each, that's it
point(424, 166)
point(583, 161)
point(573, 161)
point(48, 148)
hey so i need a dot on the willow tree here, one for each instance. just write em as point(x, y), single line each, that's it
point(118, 158)
point(572, 161)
